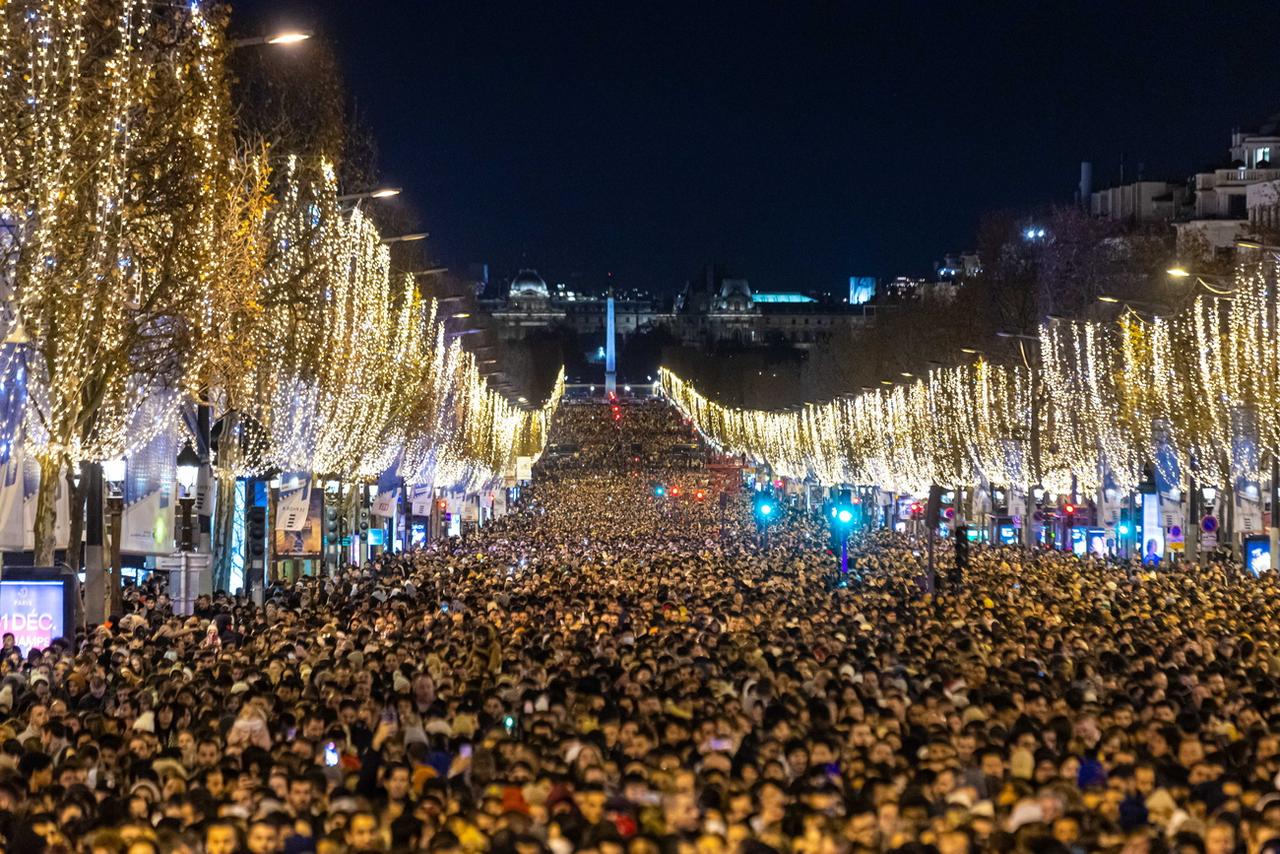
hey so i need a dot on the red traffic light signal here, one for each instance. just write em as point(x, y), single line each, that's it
point(698, 494)
point(1068, 509)
point(442, 504)
point(675, 492)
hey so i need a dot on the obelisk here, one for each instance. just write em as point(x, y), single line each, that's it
point(610, 350)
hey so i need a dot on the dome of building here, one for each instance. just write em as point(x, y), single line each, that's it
point(528, 283)
point(735, 295)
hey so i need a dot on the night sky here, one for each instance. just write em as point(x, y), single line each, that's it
point(794, 142)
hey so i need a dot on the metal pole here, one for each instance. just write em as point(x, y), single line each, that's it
point(115, 507)
point(1191, 533)
point(95, 581)
point(844, 555)
point(205, 480)
point(932, 533)
point(1274, 531)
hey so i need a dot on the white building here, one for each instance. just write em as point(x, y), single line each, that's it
point(1223, 197)
point(1140, 202)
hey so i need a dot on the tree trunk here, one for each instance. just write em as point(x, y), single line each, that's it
point(46, 509)
point(74, 540)
point(223, 528)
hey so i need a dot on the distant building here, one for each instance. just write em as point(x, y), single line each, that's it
point(1222, 197)
point(712, 309)
point(959, 265)
point(1141, 202)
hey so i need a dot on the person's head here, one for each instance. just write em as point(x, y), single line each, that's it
point(362, 832)
point(301, 794)
point(398, 778)
point(263, 837)
point(221, 837)
point(208, 753)
point(37, 769)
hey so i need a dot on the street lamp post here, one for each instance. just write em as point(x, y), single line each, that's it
point(188, 475)
point(113, 472)
point(286, 37)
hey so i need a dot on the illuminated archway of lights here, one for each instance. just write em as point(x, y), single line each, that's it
point(154, 263)
point(1184, 393)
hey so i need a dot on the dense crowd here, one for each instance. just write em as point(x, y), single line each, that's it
point(622, 435)
point(609, 671)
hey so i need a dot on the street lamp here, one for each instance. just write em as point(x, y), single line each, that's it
point(188, 473)
point(285, 37)
point(380, 193)
point(434, 271)
point(406, 238)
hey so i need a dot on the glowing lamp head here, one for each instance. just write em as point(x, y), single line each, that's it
point(846, 516)
point(659, 491)
point(1124, 529)
point(188, 469)
point(290, 37)
point(1069, 509)
point(113, 471)
point(766, 508)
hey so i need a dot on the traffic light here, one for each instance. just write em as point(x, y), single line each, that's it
point(442, 504)
point(331, 536)
point(699, 495)
point(675, 492)
point(766, 509)
point(255, 533)
point(962, 547)
point(364, 519)
point(659, 491)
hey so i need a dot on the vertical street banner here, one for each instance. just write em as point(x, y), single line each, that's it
point(294, 501)
point(148, 496)
point(388, 495)
point(12, 515)
point(420, 500)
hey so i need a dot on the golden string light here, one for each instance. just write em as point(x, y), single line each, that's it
point(152, 263)
point(1193, 394)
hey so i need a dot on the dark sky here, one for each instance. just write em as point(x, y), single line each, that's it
point(795, 142)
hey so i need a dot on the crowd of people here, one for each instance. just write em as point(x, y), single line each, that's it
point(611, 670)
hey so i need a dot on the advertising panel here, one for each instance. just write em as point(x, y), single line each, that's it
point(307, 539)
point(34, 611)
